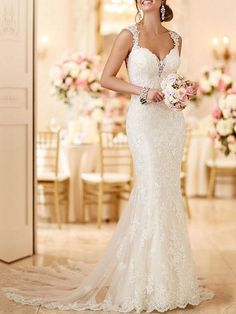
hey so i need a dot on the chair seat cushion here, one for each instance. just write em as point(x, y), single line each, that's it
point(112, 177)
point(50, 176)
point(221, 163)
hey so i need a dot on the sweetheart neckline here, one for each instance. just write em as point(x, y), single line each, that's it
point(152, 53)
point(160, 60)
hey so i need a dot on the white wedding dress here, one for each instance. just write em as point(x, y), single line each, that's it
point(148, 264)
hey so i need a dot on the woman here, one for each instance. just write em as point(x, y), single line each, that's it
point(147, 265)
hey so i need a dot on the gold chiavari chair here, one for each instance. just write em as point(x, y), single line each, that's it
point(183, 174)
point(53, 183)
point(218, 167)
point(115, 175)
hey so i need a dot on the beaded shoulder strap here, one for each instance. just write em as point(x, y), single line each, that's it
point(134, 30)
point(175, 36)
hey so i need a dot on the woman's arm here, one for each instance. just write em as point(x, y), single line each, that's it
point(180, 45)
point(119, 52)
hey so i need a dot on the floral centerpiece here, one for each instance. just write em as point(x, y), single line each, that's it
point(110, 110)
point(177, 91)
point(76, 73)
point(215, 80)
point(222, 130)
point(75, 81)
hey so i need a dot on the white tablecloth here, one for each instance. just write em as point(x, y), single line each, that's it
point(198, 176)
point(74, 160)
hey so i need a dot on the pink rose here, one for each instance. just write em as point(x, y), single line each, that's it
point(216, 113)
point(190, 90)
point(79, 60)
point(81, 84)
point(182, 95)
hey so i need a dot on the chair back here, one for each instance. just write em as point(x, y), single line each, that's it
point(114, 152)
point(186, 150)
point(48, 147)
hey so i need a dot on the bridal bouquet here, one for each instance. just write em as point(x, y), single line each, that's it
point(177, 91)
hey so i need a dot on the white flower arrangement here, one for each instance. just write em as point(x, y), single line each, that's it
point(222, 129)
point(214, 80)
point(76, 73)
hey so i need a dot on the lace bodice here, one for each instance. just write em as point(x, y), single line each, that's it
point(145, 68)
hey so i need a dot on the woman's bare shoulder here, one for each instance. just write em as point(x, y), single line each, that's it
point(125, 37)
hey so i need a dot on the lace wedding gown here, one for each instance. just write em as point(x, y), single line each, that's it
point(147, 265)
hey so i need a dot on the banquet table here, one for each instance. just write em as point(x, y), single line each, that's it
point(75, 159)
point(78, 158)
point(197, 172)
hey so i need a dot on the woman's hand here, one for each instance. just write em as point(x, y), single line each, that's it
point(155, 95)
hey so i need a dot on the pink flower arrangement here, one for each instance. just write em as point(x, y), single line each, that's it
point(177, 91)
point(76, 73)
point(222, 130)
point(213, 80)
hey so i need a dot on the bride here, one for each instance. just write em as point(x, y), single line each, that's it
point(148, 264)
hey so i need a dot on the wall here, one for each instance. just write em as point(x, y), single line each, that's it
point(71, 25)
point(207, 19)
point(54, 20)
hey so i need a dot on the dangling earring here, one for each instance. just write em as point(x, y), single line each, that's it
point(163, 11)
point(139, 16)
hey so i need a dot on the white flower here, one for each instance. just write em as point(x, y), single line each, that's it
point(231, 139)
point(205, 85)
point(58, 82)
point(224, 127)
point(226, 79)
point(68, 66)
point(222, 103)
point(232, 147)
point(71, 93)
point(226, 113)
point(170, 100)
point(91, 77)
point(74, 72)
point(231, 101)
point(84, 75)
point(95, 87)
point(172, 78)
point(214, 78)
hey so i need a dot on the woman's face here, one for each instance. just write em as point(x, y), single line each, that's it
point(149, 5)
